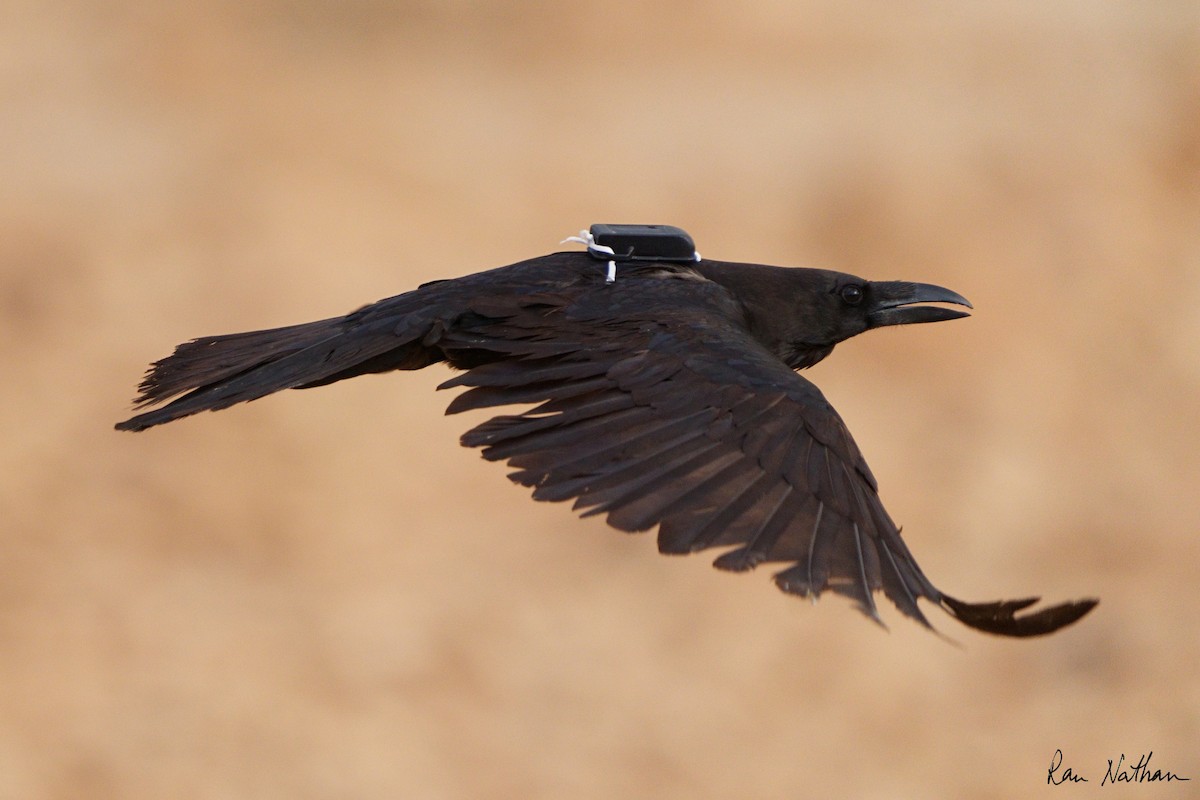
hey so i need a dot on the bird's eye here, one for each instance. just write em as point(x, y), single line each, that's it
point(852, 294)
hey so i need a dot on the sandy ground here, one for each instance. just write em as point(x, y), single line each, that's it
point(320, 595)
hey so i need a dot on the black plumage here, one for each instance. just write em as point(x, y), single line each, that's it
point(666, 398)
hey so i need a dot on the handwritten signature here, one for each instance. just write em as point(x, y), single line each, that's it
point(1118, 772)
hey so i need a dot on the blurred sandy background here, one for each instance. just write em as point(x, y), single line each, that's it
point(320, 595)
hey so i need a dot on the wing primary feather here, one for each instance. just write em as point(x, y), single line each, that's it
point(897, 587)
point(696, 507)
point(867, 600)
point(624, 509)
point(724, 519)
point(604, 491)
point(812, 549)
point(493, 432)
point(798, 579)
point(525, 373)
point(555, 454)
point(643, 512)
point(760, 542)
point(545, 445)
point(908, 602)
point(692, 538)
point(1000, 617)
point(491, 396)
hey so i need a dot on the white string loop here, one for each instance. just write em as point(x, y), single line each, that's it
point(597, 251)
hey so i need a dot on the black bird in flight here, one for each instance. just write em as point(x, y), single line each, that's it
point(667, 397)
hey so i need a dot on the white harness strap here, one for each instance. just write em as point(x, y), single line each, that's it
point(599, 251)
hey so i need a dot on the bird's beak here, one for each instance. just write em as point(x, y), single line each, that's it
point(893, 303)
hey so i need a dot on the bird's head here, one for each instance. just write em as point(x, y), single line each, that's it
point(836, 306)
point(803, 313)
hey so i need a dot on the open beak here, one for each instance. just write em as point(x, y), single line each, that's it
point(894, 303)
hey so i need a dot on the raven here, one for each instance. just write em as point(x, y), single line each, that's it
point(667, 397)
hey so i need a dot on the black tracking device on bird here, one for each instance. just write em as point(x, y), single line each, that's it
point(645, 242)
point(668, 399)
point(620, 243)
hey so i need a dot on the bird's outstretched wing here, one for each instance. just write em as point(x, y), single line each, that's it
point(656, 407)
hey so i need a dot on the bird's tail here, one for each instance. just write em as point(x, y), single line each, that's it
point(215, 372)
